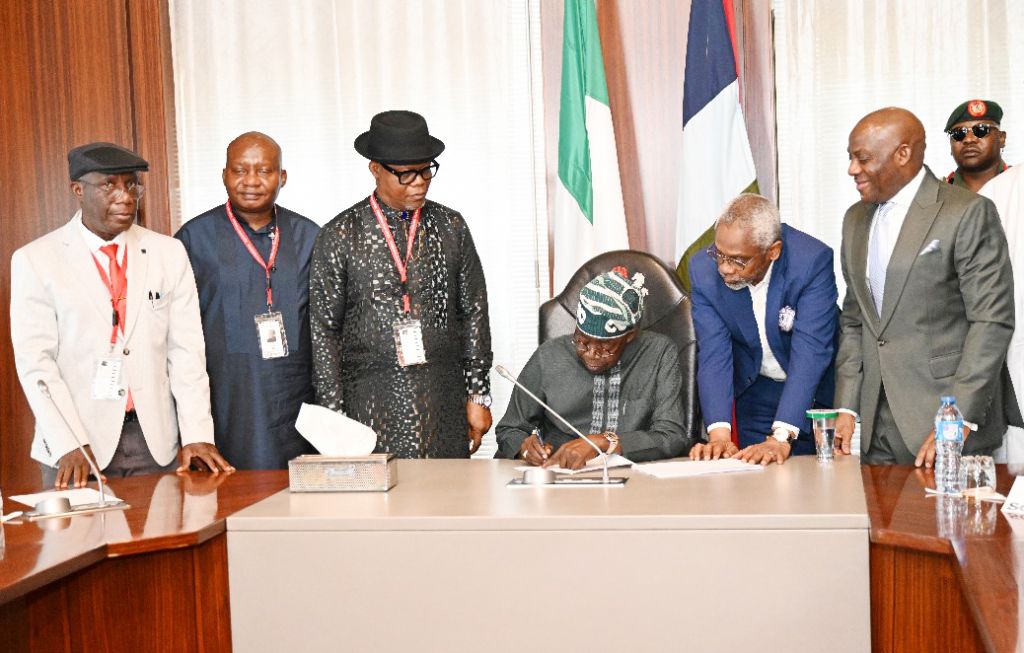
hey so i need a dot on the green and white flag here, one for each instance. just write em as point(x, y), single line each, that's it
point(588, 214)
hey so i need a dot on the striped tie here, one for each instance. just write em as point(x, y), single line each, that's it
point(879, 254)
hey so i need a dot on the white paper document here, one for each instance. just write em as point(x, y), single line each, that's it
point(333, 434)
point(78, 496)
point(614, 461)
point(688, 468)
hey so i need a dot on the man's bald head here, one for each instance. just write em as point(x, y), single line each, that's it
point(253, 177)
point(886, 151)
point(244, 141)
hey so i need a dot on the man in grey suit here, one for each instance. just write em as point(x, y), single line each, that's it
point(929, 302)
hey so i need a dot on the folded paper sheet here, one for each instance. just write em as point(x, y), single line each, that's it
point(77, 496)
point(333, 434)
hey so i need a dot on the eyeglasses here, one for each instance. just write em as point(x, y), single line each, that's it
point(597, 352)
point(981, 130)
point(719, 258)
point(112, 190)
point(406, 177)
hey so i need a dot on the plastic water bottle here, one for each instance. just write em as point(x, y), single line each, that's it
point(949, 443)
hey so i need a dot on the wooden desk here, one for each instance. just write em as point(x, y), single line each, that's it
point(943, 572)
point(452, 560)
point(150, 578)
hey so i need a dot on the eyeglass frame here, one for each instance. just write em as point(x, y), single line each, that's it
point(720, 258)
point(130, 188)
point(987, 127)
point(398, 173)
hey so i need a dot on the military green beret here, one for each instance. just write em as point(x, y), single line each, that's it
point(975, 110)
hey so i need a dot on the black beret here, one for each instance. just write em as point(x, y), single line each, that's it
point(103, 157)
point(975, 110)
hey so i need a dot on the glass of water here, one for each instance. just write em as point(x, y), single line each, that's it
point(978, 476)
point(823, 422)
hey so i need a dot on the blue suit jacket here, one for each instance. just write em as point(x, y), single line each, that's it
point(729, 348)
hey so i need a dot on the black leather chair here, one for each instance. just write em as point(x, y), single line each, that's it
point(666, 311)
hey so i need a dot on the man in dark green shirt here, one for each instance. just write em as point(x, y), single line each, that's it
point(619, 385)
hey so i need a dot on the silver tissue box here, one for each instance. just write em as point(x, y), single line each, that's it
point(377, 472)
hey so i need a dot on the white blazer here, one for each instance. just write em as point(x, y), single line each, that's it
point(60, 327)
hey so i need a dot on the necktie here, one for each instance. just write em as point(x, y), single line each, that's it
point(879, 254)
point(118, 290)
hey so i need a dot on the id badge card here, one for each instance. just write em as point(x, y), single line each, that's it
point(270, 331)
point(409, 343)
point(106, 382)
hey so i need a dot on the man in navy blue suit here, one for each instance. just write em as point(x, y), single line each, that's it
point(765, 313)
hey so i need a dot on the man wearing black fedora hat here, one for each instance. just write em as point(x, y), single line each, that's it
point(398, 305)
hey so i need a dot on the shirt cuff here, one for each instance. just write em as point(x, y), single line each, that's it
point(847, 411)
point(719, 425)
point(971, 425)
point(789, 427)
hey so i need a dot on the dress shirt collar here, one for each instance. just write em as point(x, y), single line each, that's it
point(906, 195)
point(762, 285)
point(94, 242)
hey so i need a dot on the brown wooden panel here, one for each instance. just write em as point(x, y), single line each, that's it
point(152, 77)
point(882, 591)
point(139, 603)
point(930, 613)
point(213, 607)
point(68, 80)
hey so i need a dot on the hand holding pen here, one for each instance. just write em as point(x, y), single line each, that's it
point(534, 450)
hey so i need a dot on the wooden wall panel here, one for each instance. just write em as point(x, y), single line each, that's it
point(68, 79)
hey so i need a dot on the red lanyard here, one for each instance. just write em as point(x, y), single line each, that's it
point(117, 293)
point(266, 265)
point(401, 266)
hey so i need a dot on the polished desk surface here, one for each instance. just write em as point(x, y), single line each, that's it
point(167, 511)
point(978, 536)
point(472, 495)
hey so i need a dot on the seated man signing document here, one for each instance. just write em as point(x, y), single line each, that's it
point(609, 379)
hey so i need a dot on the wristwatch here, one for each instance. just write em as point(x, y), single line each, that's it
point(481, 400)
point(613, 441)
point(782, 434)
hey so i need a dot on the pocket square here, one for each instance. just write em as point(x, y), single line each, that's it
point(929, 248)
point(786, 318)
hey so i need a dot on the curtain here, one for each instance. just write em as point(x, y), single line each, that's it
point(311, 74)
point(837, 60)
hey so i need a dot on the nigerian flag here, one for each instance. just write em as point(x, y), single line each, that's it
point(588, 216)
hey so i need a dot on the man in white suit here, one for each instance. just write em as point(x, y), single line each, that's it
point(107, 338)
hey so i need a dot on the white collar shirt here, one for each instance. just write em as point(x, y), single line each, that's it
point(94, 243)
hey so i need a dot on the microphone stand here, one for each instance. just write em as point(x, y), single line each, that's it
point(500, 369)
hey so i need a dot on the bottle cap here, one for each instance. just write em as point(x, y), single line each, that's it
point(948, 399)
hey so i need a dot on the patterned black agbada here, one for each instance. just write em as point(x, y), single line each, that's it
point(355, 298)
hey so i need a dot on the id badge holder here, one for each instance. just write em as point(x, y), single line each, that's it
point(106, 382)
point(270, 331)
point(409, 343)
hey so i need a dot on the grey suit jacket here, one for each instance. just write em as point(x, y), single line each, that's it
point(946, 322)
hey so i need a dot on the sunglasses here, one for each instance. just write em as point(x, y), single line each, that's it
point(980, 130)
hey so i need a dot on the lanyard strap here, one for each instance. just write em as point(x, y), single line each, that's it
point(267, 266)
point(117, 293)
point(400, 265)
